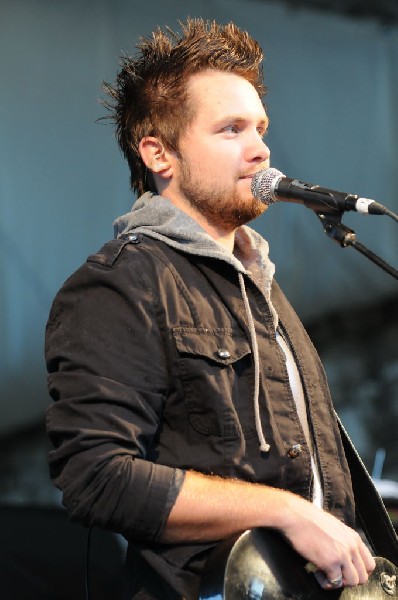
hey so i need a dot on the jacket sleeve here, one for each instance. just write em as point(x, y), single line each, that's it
point(108, 378)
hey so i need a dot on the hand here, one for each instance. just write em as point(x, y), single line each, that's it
point(336, 552)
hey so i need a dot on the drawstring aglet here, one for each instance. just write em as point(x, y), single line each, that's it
point(264, 447)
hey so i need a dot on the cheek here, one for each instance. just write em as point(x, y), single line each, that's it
point(215, 159)
point(219, 167)
point(226, 156)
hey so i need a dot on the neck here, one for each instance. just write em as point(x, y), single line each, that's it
point(222, 236)
point(225, 239)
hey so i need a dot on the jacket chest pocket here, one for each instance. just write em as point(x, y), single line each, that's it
point(215, 369)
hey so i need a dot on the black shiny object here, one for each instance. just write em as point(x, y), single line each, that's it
point(261, 565)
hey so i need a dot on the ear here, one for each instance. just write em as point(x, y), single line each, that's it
point(156, 157)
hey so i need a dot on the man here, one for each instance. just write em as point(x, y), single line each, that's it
point(190, 403)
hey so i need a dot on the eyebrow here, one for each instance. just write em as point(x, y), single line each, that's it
point(234, 118)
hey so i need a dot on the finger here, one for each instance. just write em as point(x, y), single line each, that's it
point(368, 559)
point(358, 564)
point(356, 570)
point(346, 571)
point(364, 563)
point(335, 583)
point(329, 584)
point(350, 573)
point(362, 573)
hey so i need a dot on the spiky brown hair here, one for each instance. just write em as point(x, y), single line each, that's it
point(149, 96)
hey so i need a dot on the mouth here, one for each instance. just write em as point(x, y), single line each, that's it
point(248, 176)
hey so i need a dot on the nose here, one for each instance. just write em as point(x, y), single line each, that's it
point(257, 150)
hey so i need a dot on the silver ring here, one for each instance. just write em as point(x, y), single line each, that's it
point(336, 583)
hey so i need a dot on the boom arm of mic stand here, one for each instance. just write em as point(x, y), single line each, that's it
point(334, 228)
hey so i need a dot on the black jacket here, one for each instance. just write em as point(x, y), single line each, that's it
point(150, 366)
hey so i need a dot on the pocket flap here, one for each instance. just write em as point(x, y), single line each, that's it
point(221, 345)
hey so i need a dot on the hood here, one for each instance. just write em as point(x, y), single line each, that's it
point(158, 218)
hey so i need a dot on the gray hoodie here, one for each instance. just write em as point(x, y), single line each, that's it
point(158, 218)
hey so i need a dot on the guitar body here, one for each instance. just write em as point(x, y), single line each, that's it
point(260, 565)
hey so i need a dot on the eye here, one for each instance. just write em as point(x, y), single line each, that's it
point(231, 129)
point(262, 131)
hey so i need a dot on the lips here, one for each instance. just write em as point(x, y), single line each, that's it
point(248, 176)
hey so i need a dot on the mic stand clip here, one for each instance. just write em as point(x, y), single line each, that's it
point(337, 231)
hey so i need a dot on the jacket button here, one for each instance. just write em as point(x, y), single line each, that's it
point(294, 451)
point(133, 238)
point(222, 353)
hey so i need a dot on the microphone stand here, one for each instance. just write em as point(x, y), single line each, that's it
point(336, 230)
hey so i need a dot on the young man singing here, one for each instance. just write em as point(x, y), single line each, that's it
point(189, 402)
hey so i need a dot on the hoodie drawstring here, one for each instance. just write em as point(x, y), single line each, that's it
point(264, 446)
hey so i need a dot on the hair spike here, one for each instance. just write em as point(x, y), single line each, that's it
point(150, 88)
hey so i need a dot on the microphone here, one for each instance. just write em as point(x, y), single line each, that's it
point(270, 185)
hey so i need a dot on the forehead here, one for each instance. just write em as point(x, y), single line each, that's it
point(213, 94)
